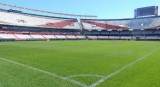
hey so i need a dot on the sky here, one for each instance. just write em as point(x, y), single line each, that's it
point(104, 9)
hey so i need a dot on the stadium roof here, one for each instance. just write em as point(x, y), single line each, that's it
point(53, 13)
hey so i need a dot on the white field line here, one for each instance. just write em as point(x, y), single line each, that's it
point(72, 76)
point(46, 72)
point(121, 69)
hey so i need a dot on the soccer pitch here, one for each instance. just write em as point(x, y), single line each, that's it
point(80, 64)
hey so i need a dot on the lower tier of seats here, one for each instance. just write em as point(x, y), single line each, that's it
point(19, 37)
point(39, 37)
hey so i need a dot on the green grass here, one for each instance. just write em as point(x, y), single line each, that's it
point(67, 58)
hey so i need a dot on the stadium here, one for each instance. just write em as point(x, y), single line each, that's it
point(47, 51)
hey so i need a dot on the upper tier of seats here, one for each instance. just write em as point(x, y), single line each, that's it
point(32, 20)
point(24, 19)
point(138, 23)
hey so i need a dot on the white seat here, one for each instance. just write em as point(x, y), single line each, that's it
point(49, 36)
point(37, 36)
point(70, 36)
point(81, 37)
point(7, 36)
point(21, 36)
point(60, 36)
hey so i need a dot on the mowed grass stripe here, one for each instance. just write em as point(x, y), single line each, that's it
point(123, 68)
point(67, 58)
point(13, 75)
point(46, 72)
point(144, 73)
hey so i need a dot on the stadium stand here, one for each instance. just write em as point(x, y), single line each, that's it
point(25, 19)
point(7, 36)
point(70, 37)
point(17, 25)
point(49, 36)
point(21, 36)
point(122, 29)
point(138, 23)
point(60, 36)
point(80, 37)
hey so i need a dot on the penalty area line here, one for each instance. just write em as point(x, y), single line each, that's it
point(121, 69)
point(83, 75)
point(43, 71)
